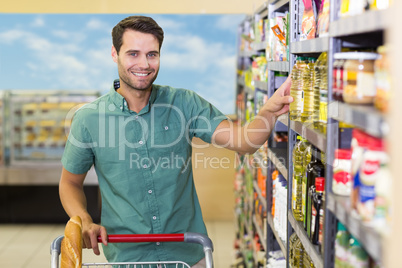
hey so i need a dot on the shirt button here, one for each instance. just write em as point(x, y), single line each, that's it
point(154, 217)
point(150, 191)
point(158, 243)
point(144, 166)
point(136, 117)
point(140, 142)
point(166, 127)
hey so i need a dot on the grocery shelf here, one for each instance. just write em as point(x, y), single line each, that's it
point(278, 157)
point(261, 85)
point(260, 233)
point(262, 160)
point(240, 80)
point(249, 90)
point(284, 119)
point(362, 116)
point(367, 236)
point(260, 197)
point(246, 54)
point(315, 137)
point(281, 243)
point(259, 46)
point(262, 11)
point(308, 246)
point(369, 21)
point(316, 45)
point(277, 4)
point(279, 66)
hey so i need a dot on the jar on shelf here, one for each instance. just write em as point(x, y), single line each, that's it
point(337, 84)
point(383, 80)
point(358, 76)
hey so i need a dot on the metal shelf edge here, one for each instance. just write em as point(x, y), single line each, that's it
point(361, 116)
point(283, 119)
point(367, 236)
point(369, 21)
point(316, 138)
point(278, 164)
point(308, 246)
point(261, 85)
point(278, 239)
point(280, 66)
point(259, 46)
point(260, 233)
point(316, 45)
point(276, 4)
point(259, 193)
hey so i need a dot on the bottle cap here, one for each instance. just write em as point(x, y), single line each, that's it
point(319, 184)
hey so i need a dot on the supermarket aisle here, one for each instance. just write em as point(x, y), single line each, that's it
point(28, 245)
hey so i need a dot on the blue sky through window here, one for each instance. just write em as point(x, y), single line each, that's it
point(72, 51)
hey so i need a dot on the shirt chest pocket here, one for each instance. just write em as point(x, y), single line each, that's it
point(169, 137)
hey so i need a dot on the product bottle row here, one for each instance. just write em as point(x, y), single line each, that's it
point(326, 195)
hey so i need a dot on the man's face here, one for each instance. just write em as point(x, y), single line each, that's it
point(138, 60)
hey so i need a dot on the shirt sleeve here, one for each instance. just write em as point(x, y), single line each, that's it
point(78, 156)
point(205, 117)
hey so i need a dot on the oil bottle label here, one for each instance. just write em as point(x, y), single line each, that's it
point(313, 217)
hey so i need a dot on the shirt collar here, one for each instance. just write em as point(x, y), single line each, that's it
point(121, 103)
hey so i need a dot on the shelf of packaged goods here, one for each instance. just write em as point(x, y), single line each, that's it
point(362, 116)
point(240, 80)
point(366, 235)
point(316, 45)
point(308, 246)
point(260, 233)
point(277, 4)
point(278, 158)
point(369, 21)
point(308, 132)
point(261, 85)
point(246, 54)
point(259, 46)
point(281, 243)
point(280, 66)
point(260, 158)
point(250, 91)
point(284, 119)
point(260, 197)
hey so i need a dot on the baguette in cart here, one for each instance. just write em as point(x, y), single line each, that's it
point(70, 247)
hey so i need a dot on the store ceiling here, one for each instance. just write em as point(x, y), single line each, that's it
point(132, 6)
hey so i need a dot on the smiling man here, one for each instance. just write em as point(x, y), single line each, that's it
point(138, 137)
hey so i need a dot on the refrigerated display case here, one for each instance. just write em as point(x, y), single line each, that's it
point(36, 131)
point(34, 126)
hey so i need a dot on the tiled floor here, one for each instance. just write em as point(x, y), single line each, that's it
point(23, 246)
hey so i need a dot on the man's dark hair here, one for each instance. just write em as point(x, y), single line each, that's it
point(137, 23)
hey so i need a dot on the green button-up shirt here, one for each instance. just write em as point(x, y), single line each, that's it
point(143, 163)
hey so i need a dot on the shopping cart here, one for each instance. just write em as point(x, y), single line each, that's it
point(201, 239)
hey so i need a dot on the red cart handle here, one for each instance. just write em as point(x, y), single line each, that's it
point(138, 238)
point(55, 247)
